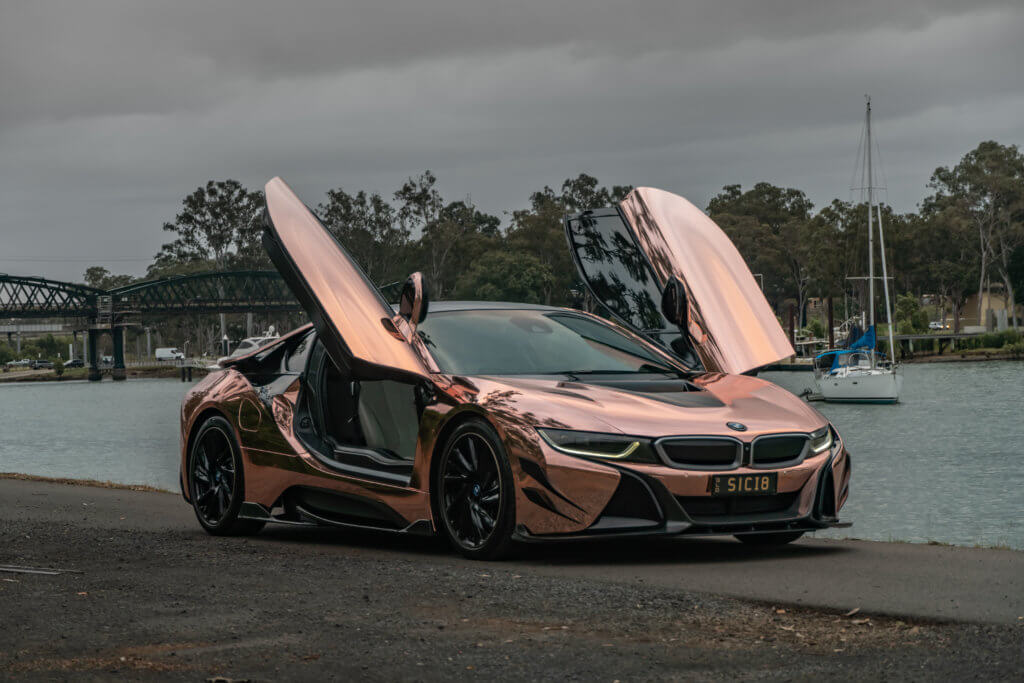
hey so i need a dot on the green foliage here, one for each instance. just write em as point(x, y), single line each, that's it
point(910, 317)
point(1016, 349)
point(49, 346)
point(817, 328)
point(773, 228)
point(101, 278)
point(505, 276)
point(6, 353)
point(993, 340)
point(218, 223)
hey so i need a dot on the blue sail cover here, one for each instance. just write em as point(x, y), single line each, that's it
point(866, 341)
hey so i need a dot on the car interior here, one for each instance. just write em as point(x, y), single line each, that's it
point(365, 428)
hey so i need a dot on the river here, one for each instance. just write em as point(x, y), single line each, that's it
point(944, 465)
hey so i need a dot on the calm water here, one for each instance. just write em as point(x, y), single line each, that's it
point(944, 465)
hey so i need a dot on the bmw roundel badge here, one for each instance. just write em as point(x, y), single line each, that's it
point(736, 426)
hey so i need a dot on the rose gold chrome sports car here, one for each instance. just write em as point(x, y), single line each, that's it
point(490, 423)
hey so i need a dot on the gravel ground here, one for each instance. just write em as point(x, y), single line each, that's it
point(288, 606)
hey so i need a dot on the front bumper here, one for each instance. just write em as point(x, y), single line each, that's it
point(652, 500)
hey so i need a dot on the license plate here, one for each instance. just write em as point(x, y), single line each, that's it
point(743, 484)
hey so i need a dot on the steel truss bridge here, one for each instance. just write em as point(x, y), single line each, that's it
point(111, 311)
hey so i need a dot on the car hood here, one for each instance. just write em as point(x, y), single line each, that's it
point(650, 408)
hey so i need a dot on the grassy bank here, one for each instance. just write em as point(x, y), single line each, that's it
point(154, 371)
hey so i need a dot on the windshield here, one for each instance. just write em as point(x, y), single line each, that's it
point(526, 342)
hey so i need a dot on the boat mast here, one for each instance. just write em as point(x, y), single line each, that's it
point(871, 231)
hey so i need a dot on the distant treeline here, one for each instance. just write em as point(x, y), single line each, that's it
point(968, 232)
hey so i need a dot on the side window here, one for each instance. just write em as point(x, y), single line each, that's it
point(615, 269)
point(299, 355)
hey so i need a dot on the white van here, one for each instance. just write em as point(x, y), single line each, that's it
point(169, 353)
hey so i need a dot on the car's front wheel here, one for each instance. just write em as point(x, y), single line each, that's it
point(216, 480)
point(770, 539)
point(474, 493)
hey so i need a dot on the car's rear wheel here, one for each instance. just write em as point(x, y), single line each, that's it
point(216, 480)
point(473, 492)
point(770, 539)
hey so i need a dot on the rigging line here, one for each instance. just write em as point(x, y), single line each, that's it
point(857, 163)
point(884, 187)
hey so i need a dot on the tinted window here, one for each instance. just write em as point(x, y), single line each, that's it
point(296, 359)
point(616, 270)
point(525, 342)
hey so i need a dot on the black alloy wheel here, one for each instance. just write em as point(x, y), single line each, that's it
point(474, 493)
point(216, 480)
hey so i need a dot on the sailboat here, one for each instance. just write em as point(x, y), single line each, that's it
point(858, 373)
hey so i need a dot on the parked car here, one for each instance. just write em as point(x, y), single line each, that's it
point(488, 423)
point(74, 363)
point(246, 346)
point(23, 363)
point(169, 353)
point(41, 364)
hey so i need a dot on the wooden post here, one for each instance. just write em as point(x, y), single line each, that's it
point(831, 326)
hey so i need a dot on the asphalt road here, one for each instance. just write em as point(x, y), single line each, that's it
point(898, 579)
point(148, 594)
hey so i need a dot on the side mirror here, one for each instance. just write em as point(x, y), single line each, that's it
point(415, 301)
point(674, 304)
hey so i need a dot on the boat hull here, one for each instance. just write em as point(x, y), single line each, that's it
point(877, 387)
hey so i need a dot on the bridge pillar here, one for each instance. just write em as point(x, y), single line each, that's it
point(118, 374)
point(92, 349)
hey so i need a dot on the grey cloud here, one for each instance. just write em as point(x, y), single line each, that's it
point(112, 112)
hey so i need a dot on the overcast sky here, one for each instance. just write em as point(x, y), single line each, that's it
point(110, 112)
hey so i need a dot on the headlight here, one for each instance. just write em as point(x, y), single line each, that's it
point(598, 445)
point(821, 440)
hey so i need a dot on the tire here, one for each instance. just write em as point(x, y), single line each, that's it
point(770, 539)
point(472, 470)
point(215, 454)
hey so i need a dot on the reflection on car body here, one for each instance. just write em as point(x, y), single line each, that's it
point(490, 422)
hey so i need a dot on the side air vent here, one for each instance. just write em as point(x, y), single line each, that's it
point(632, 506)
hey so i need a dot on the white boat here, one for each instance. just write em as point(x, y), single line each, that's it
point(859, 373)
point(856, 380)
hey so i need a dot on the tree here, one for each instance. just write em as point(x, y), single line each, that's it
point(368, 227)
point(505, 276)
point(539, 230)
point(101, 278)
point(218, 223)
point(986, 189)
point(772, 228)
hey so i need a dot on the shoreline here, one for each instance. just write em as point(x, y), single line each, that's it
point(954, 357)
point(93, 483)
point(173, 372)
point(142, 372)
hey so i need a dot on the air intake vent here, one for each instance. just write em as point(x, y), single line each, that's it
point(701, 453)
point(778, 450)
point(708, 508)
